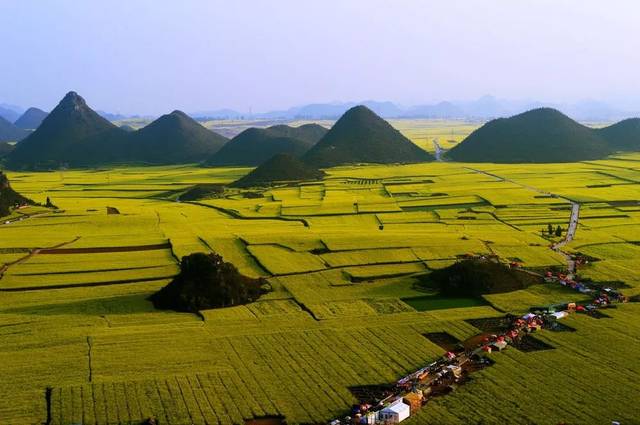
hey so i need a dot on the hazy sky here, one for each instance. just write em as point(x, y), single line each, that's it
point(153, 56)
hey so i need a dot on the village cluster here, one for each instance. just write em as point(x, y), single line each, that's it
point(409, 394)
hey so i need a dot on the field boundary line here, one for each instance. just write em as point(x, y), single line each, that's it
point(85, 285)
point(237, 215)
point(104, 249)
point(31, 253)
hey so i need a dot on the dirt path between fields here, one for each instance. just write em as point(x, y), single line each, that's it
point(58, 249)
point(235, 214)
point(5, 222)
point(86, 284)
point(31, 253)
point(105, 249)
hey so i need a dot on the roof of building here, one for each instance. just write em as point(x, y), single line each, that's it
point(397, 406)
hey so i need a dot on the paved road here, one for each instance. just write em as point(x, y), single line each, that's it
point(439, 150)
point(573, 225)
point(571, 233)
point(573, 221)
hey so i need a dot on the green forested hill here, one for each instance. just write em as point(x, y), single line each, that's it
point(624, 135)
point(361, 136)
point(172, 138)
point(539, 135)
point(280, 168)
point(255, 145)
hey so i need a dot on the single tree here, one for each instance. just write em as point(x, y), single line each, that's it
point(558, 231)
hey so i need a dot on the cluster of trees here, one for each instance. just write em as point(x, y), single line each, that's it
point(9, 198)
point(206, 281)
point(477, 277)
point(550, 231)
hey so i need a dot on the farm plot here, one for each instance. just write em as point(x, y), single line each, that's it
point(529, 256)
point(278, 260)
point(369, 256)
point(339, 315)
point(530, 375)
point(382, 271)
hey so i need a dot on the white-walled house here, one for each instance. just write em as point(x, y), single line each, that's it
point(396, 412)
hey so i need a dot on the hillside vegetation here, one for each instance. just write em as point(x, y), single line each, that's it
point(254, 146)
point(280, 168)
point(31, 119)
point(9, 197)
point(81, 341)
point(545, 135)
point(5, 148)
point(539, 135)
point(477, 277)
point(206, 281)
point(74, 135)
point(624, 135)
point(9, 132)
point(172, 138)
point(309, 133)
point(361, 136)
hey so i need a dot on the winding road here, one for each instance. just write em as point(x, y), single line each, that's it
point(573, 221)
point(573, 225)
point(439, 151)
point(571, 232)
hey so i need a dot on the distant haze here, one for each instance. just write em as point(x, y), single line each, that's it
point(153, 56)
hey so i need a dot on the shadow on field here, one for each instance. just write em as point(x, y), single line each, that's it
point(123, 304)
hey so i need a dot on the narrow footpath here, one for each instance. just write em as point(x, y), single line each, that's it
point(31, 253)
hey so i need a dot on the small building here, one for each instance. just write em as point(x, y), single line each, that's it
point(395, 413)
point(414, 400)
point(455, 370)
point(369, 418)
point(499, 345)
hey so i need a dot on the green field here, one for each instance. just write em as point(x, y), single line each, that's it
point(341, 256)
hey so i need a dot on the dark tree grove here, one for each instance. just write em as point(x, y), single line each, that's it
point(476, 277)
point(206, 281)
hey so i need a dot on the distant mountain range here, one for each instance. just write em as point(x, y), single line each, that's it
point(31, 119)
point(486, 107)
point(544, 135)
point(10, 133)
point(74, 135)
point(483, 108)
point(10, 112)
